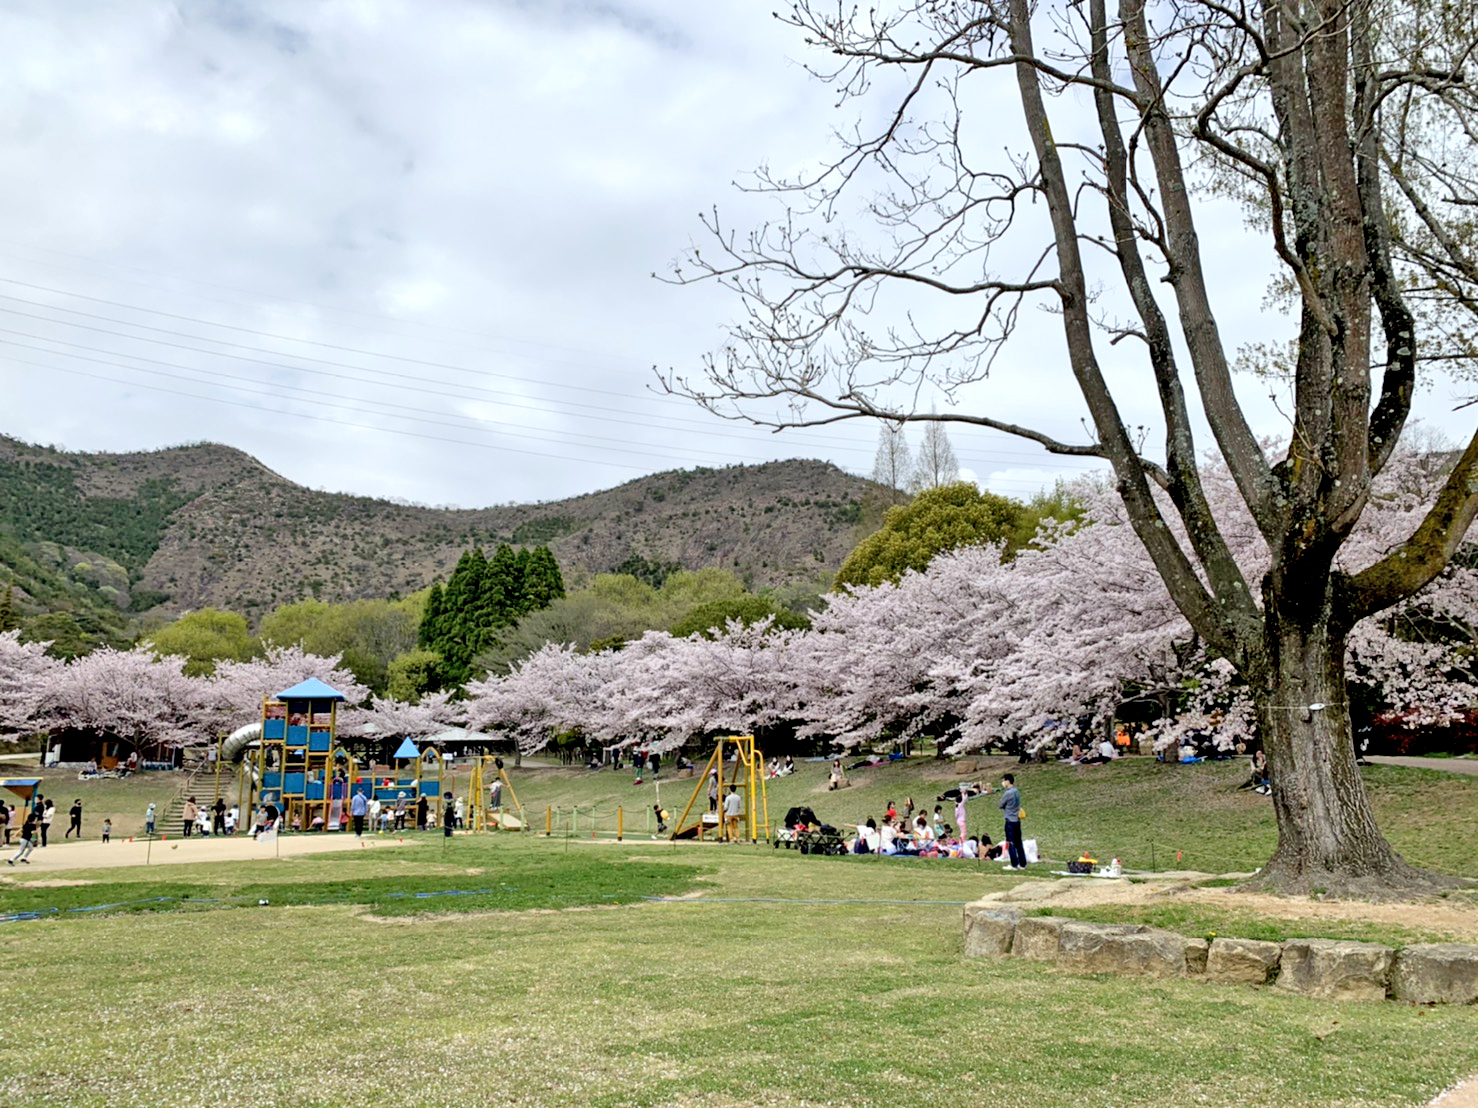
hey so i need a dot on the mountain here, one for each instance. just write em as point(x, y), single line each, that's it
point(207, 525)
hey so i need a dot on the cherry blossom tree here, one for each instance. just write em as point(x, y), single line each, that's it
point(386, 716)
point(25, 670)
point(234, 694)
point(129, 694)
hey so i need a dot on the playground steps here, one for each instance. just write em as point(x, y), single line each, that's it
point(201, 784)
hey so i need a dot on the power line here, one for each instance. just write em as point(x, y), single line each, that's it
point(1035, 456)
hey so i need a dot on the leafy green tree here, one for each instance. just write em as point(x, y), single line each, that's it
point(936, 520)
point(412, 674)
point(205, 637)
point(368, 634)
point(706, 619)
point(68, 637)
point(645, 569)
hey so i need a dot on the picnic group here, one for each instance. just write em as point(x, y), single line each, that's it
point(916, 832)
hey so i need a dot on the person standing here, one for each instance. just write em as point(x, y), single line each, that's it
point(960, 817)
point(190, 815)
point(47, 815)
point(1010, 806)
point(149, 818)
point(5, 822)
point(713, 790)
point(107, 830)
point(358, 809)
point(423, 808)
point(448, 816)
point(218, 819)
point(74, 819)
point(28, 842)
point(733, 807)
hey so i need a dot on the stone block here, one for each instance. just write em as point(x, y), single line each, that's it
point(1082, 944)
point(1038, 938)
point(1148, 952)
point(989, 929)
point(1436, 973)
point(1243, 961)
point(1335, 969)
point(1195, 956)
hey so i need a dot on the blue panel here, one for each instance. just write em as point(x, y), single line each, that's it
point(293, 784)
point(274, 728)
point(297, 735)
point(272, 779)
point(318, 742)
point(315, 790)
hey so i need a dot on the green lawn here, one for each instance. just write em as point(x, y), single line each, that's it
point(1139, 810)
point(751, 976)
point(121, 799)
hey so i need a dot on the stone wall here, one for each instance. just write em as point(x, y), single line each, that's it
point(1434, 973)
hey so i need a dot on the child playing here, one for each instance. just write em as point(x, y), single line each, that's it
point(107, 829)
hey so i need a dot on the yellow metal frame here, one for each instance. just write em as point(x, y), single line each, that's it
point(748, 777)
point(482, 815)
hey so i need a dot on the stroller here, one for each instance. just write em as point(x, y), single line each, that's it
point(804, 831)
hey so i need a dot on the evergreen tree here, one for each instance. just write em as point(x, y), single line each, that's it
point(8, 620)
point(430, 629)
point(542, 582)
point(501, 588)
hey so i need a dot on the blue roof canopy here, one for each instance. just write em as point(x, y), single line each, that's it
point(407, 750)
point(311, 689)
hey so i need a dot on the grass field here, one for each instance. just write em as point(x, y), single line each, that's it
point(522, 970)
point(1139, 810)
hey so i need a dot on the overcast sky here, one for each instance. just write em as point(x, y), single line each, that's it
point(404, 248)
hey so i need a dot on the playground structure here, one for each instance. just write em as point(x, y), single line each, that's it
point(738, 763)
point(300, 767)
point(416, 773)
point(488, 795)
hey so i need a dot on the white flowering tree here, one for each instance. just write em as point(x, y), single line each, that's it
point(25, 670)
point(129, 694)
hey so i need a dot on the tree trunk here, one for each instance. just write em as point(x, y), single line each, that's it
point(1328, 841)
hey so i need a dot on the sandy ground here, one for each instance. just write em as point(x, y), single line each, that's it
point(217, 848)
point(1458, 919)
point(1467, 766)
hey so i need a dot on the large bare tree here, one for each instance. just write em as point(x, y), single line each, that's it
point(1344, 130)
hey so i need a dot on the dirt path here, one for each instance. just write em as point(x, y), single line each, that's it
point(217, 848)
point(1465, 766)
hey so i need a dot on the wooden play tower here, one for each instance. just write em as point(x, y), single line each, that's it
point(739, 763)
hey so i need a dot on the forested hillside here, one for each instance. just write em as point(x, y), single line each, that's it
point(107, 535)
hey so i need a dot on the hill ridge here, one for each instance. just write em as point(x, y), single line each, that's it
point(207, 524)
